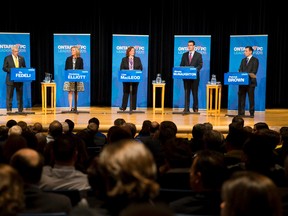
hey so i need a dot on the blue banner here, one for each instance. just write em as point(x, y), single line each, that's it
point(22, 74)
point(236, 78)
point(184, 73)
point(237, 47)
point(77, 76)
point(130, 76)
point(202, 45)
point(120, 45)
point(7, 40)
point(62, 50)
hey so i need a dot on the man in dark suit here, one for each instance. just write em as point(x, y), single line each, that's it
point(250, 65)
point(194, 59)
point(130, 62)
point(13, 61)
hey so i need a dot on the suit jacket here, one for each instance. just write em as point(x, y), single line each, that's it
point(78, 65)
point(9, 63)
point(196, 62)
point(37, 201)
point(251, 67)
point(125, 63)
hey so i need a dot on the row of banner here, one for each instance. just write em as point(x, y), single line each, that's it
point(62, 50)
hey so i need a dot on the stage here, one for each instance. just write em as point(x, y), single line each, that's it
point(275, 118)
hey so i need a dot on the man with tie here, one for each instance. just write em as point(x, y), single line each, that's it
point(13, 61)
point(250, 65)
point(191, 58)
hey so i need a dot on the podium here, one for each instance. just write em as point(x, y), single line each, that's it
point(76, 76)
point(236, 78)
point(22, 75)
point(185, 72)
point(130, 76)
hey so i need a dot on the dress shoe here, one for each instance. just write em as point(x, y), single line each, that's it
point(251, 115)
point(186, 111)
point(195, 110)
point(121, 108)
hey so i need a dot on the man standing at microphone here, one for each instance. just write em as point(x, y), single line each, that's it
point(13, 61)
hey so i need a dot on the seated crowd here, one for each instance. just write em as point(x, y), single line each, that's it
point(152, 172)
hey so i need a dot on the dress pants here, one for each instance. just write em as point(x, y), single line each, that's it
point(243, 90)
point(126, 93)
point(191, 85)
point(9, 96)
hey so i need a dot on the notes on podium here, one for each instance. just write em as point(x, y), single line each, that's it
point(184, 72)
point(130, 76)
point(22, 75)
point(236, 78)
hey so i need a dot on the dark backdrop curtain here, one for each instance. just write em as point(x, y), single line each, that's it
point(161, 24)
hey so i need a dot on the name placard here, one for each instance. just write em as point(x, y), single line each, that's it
point(130, 75)
point(184, 73)
point(236, 78)
point(77, 76)
point(22, 74)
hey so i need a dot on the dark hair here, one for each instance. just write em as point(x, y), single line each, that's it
point(55, 128)
point(212, 168)
point(70, 124)
point(119, 121)
point(250, 48)
point(260, 126)
point(192, 41)
point(64, 148)
point(239, 120)
point(11, 123)
point(248, 194)
point(128, 50)
point(94, 120)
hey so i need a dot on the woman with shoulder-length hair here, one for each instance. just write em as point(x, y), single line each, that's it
point(130, 62)
point(248, 194)
point(73, 62)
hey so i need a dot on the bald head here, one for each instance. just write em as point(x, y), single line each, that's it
point(29, 164)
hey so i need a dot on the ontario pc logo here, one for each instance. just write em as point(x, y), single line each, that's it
point(200, 49)
point(8, 47)
point(257, 50)
point(138, 49)
point(64, 48)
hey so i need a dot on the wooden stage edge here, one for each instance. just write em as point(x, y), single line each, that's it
point(275, 118)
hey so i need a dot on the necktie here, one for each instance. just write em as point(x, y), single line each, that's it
point(190, 58)
point(247, 60)
point(16, 62)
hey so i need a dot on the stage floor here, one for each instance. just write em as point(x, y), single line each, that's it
point(275, 118)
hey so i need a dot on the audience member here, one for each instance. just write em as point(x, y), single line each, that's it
point(250, 194)
point(11, 191)
point(29, 165)
point(124, 173)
